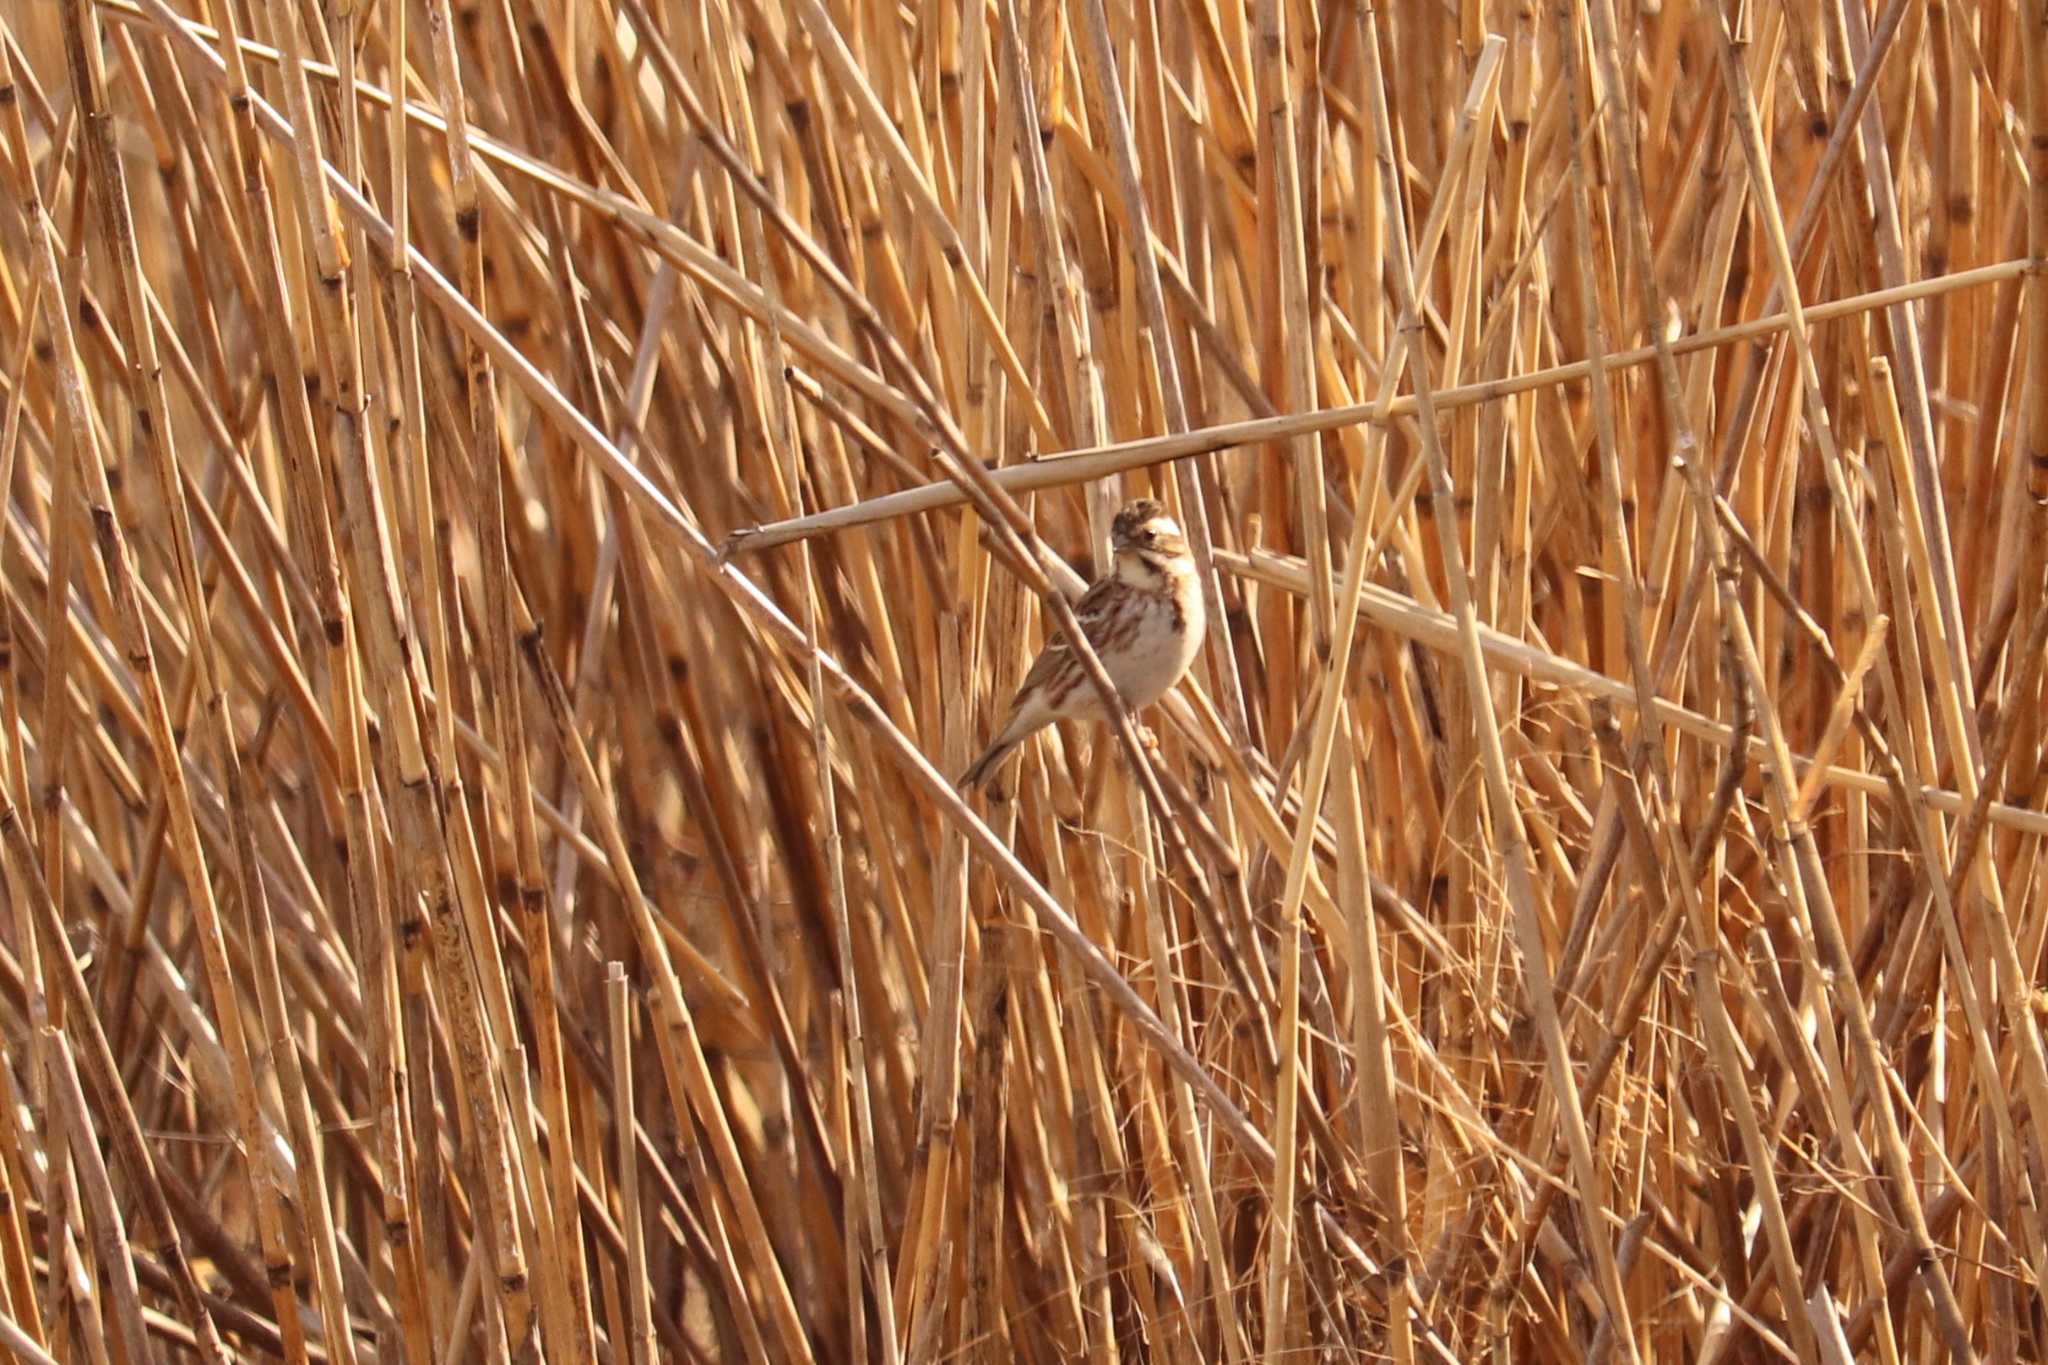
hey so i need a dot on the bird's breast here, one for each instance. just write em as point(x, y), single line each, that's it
point(1159, 642)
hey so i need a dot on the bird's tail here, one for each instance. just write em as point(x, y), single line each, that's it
point(984, 767)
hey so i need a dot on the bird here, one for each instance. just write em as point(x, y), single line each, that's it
point(1144, 619)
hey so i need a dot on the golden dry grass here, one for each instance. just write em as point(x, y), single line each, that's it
point(497, 584)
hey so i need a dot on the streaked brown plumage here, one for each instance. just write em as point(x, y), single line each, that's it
point(1144, 619)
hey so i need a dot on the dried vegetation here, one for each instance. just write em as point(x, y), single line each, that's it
point(516, 509)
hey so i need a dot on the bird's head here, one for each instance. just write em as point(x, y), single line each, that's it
point(1147, 542)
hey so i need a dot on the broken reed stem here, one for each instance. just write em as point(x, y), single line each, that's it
point(401, 685)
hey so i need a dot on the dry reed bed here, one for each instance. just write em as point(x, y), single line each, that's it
point(489, 623)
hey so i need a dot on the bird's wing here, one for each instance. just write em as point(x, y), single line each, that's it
point(1093, 612)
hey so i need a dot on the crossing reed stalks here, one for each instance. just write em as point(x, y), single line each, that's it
point(517, 512)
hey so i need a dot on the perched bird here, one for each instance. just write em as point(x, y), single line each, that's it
point(1144, 620)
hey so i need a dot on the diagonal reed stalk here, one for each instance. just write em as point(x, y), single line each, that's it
point(515, 511)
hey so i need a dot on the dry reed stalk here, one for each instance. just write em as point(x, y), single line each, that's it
point(519, 516)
